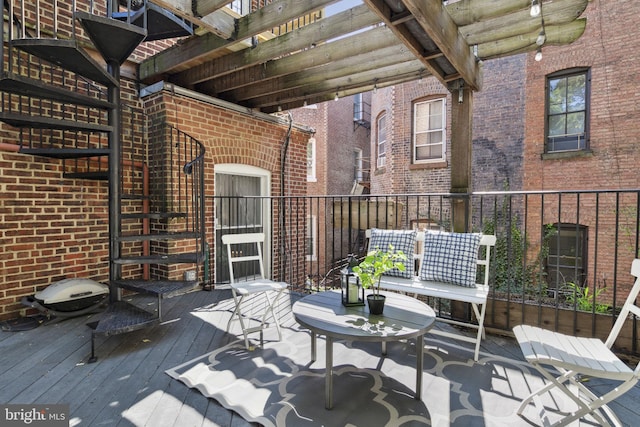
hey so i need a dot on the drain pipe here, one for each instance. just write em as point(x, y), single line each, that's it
point(282, 230)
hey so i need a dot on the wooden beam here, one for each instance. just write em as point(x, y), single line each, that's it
point(274, 14)
point(396, 21)
point(465, 12)
point(355, 81)
point(438, 25)
point(354, 65)
point(521, 23)
point(205, 7)
point(374, 40)
point(461, 155)
point(298, 101)
point(556, 35)
point(303, 38)
point(195, 49)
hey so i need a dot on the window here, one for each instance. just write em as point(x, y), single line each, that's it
point(429, 126)
point(312, 235)
point(382, 139)
point(358, 108)
point(239, 6)
point(311, 160)
point(567, 257)
point(567, 110)
point(359, 173)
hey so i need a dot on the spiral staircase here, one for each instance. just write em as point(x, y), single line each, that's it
point(65, 104)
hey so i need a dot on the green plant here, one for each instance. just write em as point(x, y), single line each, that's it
point(514, 272)
point(375, 264)
point(584, 299)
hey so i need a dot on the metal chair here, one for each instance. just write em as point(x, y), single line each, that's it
point(247, 248)
point(576, 358)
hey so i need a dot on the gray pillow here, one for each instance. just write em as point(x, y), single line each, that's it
point(402, 240)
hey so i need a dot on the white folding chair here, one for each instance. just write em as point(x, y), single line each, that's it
point(247, 248)
point(576, 358)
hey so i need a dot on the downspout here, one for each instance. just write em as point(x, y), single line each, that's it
point(282, 230)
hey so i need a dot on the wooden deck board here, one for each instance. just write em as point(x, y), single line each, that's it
point(128, 384)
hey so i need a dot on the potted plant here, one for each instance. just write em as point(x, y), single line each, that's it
point(370, 271)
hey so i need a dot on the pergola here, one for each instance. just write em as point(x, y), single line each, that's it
point(379, 43)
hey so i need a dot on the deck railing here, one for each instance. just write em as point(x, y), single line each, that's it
point(562, 258)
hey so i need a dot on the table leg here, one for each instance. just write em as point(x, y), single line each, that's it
point(328, 375)
point(419, 364)
point(313, 346)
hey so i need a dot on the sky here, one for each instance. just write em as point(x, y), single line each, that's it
point(341, 5)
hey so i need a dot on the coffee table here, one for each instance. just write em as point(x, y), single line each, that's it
point(404, 317)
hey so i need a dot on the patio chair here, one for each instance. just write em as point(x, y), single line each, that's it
point(258, 292)
point(576, 358)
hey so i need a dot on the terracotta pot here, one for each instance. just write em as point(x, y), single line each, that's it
point(376, 303)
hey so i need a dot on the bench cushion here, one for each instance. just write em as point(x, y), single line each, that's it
point(450, 258)
point(401, 240)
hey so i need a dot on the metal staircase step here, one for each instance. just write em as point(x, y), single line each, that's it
point(132, 196)
point(161, 23)
point(68, 55)
point(186, 258)
point(29, 87)
point(39, 122)
point(115, 40)
point(93, 176)
point(121, 317)
point(158, 236)
point(154, 215)
point(160, 288)
point(65, 153)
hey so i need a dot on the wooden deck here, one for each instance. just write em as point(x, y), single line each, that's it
point(128, 385)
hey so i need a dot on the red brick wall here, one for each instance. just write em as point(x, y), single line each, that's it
point(54, 228)
point(614, 128)
point(50, 228)
point(230, 137)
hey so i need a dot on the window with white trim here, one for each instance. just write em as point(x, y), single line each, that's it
point(429, 130)
point(311, 160)
point(381, 141)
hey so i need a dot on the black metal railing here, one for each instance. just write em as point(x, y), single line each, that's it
point(556, 251)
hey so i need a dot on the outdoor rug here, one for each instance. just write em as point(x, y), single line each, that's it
point(278, 386)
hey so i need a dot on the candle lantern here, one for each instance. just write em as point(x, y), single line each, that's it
point(352, 290)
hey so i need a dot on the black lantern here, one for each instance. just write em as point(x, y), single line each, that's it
point(352, 290)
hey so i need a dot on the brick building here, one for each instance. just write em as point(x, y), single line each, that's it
point(524, 138)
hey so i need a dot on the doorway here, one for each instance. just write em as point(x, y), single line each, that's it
point(242, 205)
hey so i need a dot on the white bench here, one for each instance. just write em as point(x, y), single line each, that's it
point(477, 296)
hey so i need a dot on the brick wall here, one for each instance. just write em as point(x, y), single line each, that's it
point(498, 126)
point(230, 137)
point(54, 228)
point(606, 47)
point(50, 228)
point(498, 132)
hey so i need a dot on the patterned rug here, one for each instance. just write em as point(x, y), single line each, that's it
point(277, 386)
